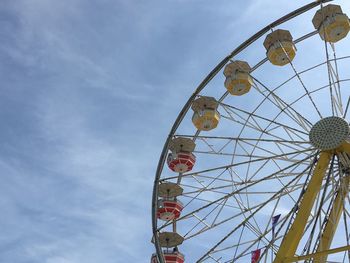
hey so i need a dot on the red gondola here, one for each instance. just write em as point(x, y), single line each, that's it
point(181, 162)
point(169, 209)
point(170, 257)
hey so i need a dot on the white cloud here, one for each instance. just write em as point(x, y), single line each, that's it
point(109, 79)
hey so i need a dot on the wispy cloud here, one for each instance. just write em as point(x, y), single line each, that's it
point(89, 92)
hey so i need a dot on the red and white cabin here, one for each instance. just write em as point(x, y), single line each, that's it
point(170, 257)
point(181, 162)
point(169, 209)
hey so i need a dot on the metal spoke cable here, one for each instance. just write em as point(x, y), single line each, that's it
point(238, 226)
point(239, 190)
point(327, 59)
point(285, 107)
point(300, 80)
point(263, 118)
point(240, 163)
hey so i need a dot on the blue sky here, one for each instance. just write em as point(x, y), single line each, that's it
point(89, 91)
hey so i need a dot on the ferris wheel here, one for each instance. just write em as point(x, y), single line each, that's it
point(256, 167)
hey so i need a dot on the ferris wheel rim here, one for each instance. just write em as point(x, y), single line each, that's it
point(201, 86)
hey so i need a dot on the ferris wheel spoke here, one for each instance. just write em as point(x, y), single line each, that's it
point(286, 145)
point(240, 225)
point(321, 64)
point(255, 230)
point(338, 80)
point(306, 90)
point(209, 145)
point(289, 134)
point(231, 110)
point(225, 167)
point(300, 80)
point(288, 217)
point(298, 74)
point(247, 251)
point(260, 137)
point(201, 190)
point(244, 125)
point(346, 108)
point(302, 38)
point(283, 223)
point(241, 213)
point(275, 238)
point(336, 83)
point(322, 88)
point(278, 178)
point(257, 146)
point(264, 131)
point(216, 189)
point(206, 201)
point(282, 174)
point(240, 155)
point(237, 215)
point(329, 73)
point(280, 144)
point(242, 189)
point(243, 139)
point(244, 122)
point(220, 205)
point(298, 119)
point(254, 128)
point(249, 155)
point(250, 114)
point(293, 187)
point(303, 122)
point(336, 100)
point(286, 108)
point(246, 207)
point(204, 186)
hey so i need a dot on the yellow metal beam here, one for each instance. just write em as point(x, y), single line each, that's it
point(291, 240)
point(317, 255)
point(334, 217)
point(345, 147)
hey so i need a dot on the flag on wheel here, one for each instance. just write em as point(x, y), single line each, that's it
point(256, 255)
point(274, 222)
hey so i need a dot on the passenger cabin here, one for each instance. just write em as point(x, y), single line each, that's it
point(205, 116)
point(331, 23)
point(280, 49)
point(238, 81)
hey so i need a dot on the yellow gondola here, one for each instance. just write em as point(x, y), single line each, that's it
point(238, 81)
point(332, 24)
point(280, 47)
point(205, 116)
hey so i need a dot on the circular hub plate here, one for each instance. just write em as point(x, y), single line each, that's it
point(329, 133)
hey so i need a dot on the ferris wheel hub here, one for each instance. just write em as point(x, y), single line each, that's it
point(329, 133)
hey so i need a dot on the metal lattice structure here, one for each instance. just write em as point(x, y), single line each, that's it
point(259, 156)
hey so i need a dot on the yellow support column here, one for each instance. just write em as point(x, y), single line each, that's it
point(333, 220)
point(291, 240)
point(316, 255)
